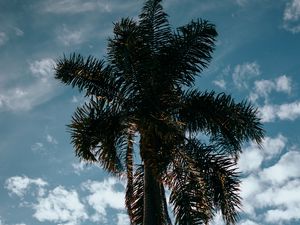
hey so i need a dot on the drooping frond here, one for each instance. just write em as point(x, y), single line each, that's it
point(129, 170)
point(137, 200)
point(228, 123)
point(98, 135)
point(203, 182)
point(189, 195)
point(189, 52)
point(219, 176)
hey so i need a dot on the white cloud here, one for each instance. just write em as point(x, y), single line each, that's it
point(283, 202)
point(284, 84)
point(103, 195)
point(43, 69)
point(68, 37)
point(267, 113)
point(250, 186)
point(242, 73)
point(38, 147)
point(291, 16)
point(3, 38)
point(273, 146)
point(253, 156)
point(248, 222)
point(287, 111)
point(250, 159)
point(79, 167)
point(263, 88)
point(285, 169)
point(20, 185)
point(220, 83)
point(241, 2)
point(123, 219)
point(60, 206)
point(51, 139)
point(18, 31)
point(218, 220)
point(271, 193)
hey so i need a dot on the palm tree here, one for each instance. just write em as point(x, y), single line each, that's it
point(189, 140)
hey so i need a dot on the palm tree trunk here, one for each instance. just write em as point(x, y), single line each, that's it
point(129, 169)
point(153, 207)
point(153, 204)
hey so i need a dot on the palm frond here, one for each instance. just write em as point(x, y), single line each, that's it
point(122, 49)
point(189, 50)
point(189, 193)
point(98, 135)
point(137, 200)
point(154, 25)
point(219, 175)
point(228, 123)
point(90, 75)
point(129, 171)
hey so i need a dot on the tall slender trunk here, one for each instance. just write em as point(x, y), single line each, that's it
point(129, 170)
point(153, 213)
point(153, 207)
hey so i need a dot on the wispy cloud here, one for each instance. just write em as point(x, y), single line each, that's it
point(291, 16)
point(81, 166)
point(38, 147)
point(220, 83)
point(18, 31)
point(3, 38)
point(241, 2)
point(243, 73)
point(51, 140)
point(41, 89)
point(76, 6)
point(68, 36)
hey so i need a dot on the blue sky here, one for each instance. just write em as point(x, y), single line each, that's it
point(256, 58)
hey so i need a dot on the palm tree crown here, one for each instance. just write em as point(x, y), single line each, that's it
point(145, 87)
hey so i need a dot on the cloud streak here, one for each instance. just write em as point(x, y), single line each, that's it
point(41, 89)
point(75, 6)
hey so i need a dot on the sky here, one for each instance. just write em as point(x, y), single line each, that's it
point(256, 59)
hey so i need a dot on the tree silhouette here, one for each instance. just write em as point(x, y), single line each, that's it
point(145, 87)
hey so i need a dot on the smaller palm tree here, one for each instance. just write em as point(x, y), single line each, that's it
point(145, 88)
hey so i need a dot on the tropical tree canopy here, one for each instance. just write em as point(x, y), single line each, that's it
point(188, 140)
